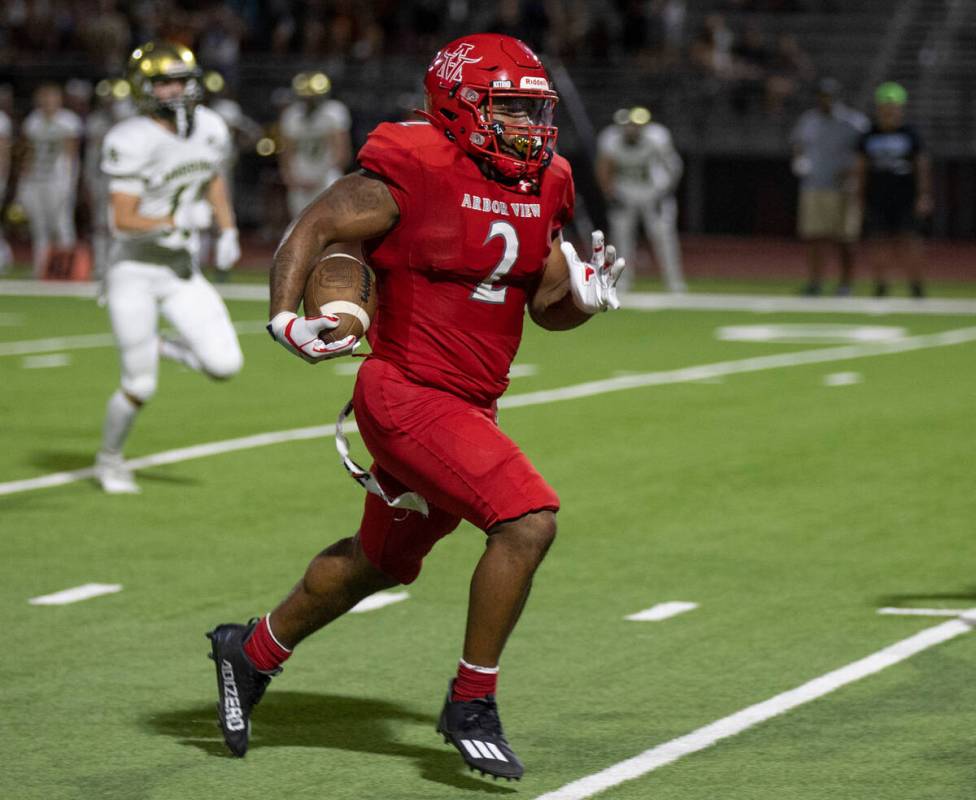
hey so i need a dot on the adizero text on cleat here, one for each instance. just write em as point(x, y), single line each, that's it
point(474, 728)
point(240, 686)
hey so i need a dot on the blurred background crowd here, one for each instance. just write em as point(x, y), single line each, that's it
point(729, 79)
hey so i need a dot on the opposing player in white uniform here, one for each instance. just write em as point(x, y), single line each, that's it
point(165, 186)
point(316, 147)
point(638, 170)
point(6, 136)
point(49, 178)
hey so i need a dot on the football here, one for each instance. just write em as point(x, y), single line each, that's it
point(342, 285)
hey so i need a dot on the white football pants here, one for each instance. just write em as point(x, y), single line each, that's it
point(137, 293)
point(50, 207)
point(660, 222)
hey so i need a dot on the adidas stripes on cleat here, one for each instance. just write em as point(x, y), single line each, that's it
point(240, 686)
point(474, 728)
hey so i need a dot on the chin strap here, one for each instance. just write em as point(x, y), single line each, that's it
point(182, 126)
point(411, 501)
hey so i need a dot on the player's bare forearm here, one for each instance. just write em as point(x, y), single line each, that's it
point(551, 305)
point(354, 208)
point(126, 216)
point(219, 198)
point(562, 315)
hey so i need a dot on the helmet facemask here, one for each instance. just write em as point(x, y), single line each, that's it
point(179, 108)
point(513, 131)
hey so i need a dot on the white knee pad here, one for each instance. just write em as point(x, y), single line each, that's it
point(222, 364)
point(141, 387)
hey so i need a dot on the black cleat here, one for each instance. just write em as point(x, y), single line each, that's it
point(240, 686)
point(474, 728)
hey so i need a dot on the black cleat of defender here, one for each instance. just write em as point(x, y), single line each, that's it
point(474, 728)
point(240, 686)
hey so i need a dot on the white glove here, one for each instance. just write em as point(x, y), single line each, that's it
point(228, 250)
point(300, 335)
point(594, 283)
point(193, 216)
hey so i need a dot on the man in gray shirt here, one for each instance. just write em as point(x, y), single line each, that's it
point(824, 143)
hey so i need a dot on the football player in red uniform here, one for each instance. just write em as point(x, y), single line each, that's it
point(460, 216)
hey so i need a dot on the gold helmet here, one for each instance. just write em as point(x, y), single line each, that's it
point(311, 85)
point(155, 62)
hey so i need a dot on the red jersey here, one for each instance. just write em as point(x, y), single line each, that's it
point(456, 271)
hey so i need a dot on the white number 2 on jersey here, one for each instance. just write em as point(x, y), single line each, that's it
point(486, 291)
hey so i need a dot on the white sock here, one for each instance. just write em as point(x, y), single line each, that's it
point(179, 352)
point(119, 415)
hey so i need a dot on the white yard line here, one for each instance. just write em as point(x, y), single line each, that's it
point(923, 612)
point(740, 721)
point(87, 341)
point(75, 594)
point(662, 611)
point(686, 375)
point(180, 454)
point(843, 379)
point(377, 601)
point(757, 364)
point(49, 361)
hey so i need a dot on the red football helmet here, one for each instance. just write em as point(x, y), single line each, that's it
point(491, 95)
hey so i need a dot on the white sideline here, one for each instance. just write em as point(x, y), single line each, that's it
point(740, 721)
point(761, 303)
point(75, 594)
point(688, 374)
point(90, 340)
point(635, 301)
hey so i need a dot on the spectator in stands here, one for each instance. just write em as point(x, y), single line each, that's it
point(638, 170)
point(825, 141)
point(711, 52)
point(789, 68)
point(49, 175)
point(894, 183)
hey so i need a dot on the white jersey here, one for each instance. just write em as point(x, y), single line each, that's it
point(48, 137)
point(310, 131)
point(646, 168)
point(164, 171)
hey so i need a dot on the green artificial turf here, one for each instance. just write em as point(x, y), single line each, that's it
point(787, 509)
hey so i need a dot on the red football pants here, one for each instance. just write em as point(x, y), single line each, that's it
point(448, 450)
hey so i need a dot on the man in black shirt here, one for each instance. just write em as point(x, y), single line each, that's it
point(894, 180)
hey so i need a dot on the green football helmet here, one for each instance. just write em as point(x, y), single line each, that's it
point(156, 62)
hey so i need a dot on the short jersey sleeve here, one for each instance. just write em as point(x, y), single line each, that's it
point(338, 116)
point(386, 154)
point(217, 128)
point(124, 160)
point(567, 207)
point(71, 124)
